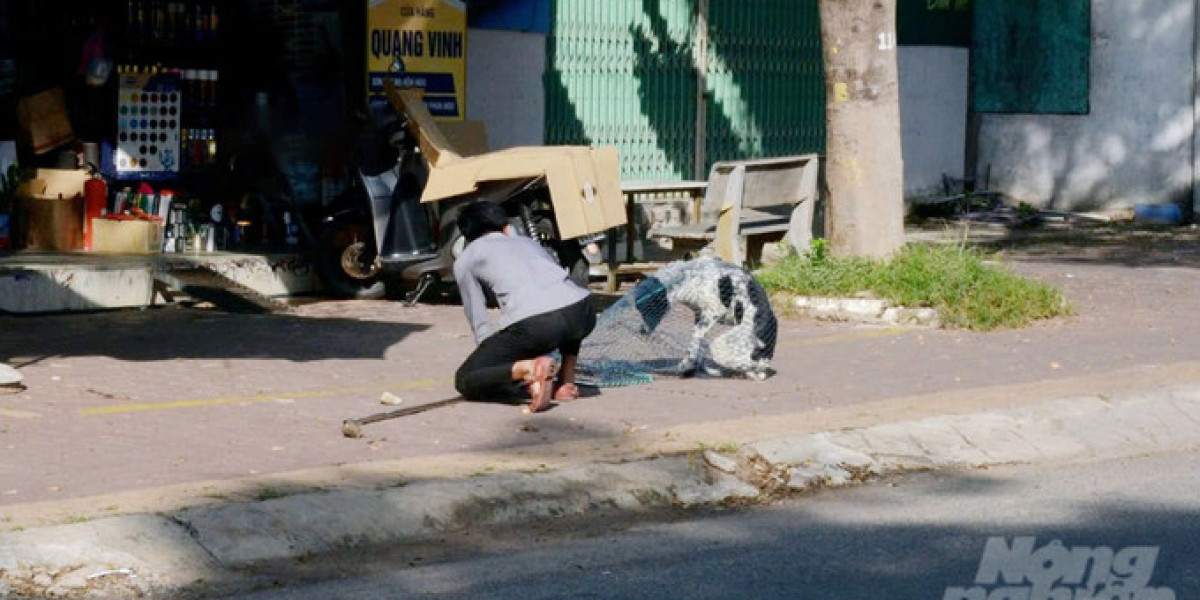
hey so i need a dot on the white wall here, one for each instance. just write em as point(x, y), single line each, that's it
point(504, 86)
point(1136, 145)
point(933, 115)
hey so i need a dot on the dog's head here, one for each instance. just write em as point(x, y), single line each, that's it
point(736, 351)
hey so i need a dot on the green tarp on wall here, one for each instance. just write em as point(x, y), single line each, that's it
point(1031, 56)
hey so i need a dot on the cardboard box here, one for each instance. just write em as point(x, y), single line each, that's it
point(50, 211)
point(44, 120)
point(52, 223)
point(584, 182)
point(110, 236)
point(66, 183)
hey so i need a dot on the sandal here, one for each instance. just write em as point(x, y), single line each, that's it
point(539, 383)
point(566, 392)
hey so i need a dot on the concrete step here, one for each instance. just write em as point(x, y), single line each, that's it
point(57, 282)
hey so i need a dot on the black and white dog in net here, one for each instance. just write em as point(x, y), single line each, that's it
point(690, 316)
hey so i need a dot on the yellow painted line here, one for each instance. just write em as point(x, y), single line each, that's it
point(320, 393)
point(852, 336)
point(18, 414)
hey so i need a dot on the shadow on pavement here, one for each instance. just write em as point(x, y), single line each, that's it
point(171, 333)
point(1126, 246)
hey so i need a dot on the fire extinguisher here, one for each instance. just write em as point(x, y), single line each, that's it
point(95, 200)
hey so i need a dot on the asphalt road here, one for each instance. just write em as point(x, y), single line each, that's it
point(916, 536)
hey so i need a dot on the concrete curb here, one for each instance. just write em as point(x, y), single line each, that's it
point(320, 523)
point(867, 310)
point(152, 555)
point(1087, 427)
point(133, 556)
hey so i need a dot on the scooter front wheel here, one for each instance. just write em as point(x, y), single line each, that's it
point(347, 262)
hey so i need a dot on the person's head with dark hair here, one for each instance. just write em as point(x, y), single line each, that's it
point(480, 218)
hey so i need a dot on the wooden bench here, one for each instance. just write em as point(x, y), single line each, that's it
point(633, 190)
point(748, 203)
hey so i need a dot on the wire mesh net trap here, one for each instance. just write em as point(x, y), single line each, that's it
point(701, 316)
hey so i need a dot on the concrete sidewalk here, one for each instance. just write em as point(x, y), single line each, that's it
point(850, 403)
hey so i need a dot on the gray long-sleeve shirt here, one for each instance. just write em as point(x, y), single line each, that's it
point(521, 273)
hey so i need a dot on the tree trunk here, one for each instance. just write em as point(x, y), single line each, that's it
point(865, 168)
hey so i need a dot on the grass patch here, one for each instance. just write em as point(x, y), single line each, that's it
point(269, 493)
point(953, 279)
point(485, 470)
point(722, 448)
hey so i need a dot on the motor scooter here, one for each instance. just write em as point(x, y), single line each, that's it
point(378, 238)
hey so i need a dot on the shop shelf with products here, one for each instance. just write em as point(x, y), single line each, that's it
point(169, 89)
point(168, 109)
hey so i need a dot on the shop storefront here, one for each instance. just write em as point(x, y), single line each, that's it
point(221, 121)
point(195, 130)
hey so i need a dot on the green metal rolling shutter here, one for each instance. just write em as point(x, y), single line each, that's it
point(766, 79)
point(620, 75)
point(626, 73)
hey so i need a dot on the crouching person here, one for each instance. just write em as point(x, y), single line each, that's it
point(541, 310)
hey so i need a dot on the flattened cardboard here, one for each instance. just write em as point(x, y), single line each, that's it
point(584, 182)
point(468, 138)
point(433, 142)
point(45, 122)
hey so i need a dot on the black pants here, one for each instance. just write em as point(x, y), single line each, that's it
point(486, 375)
